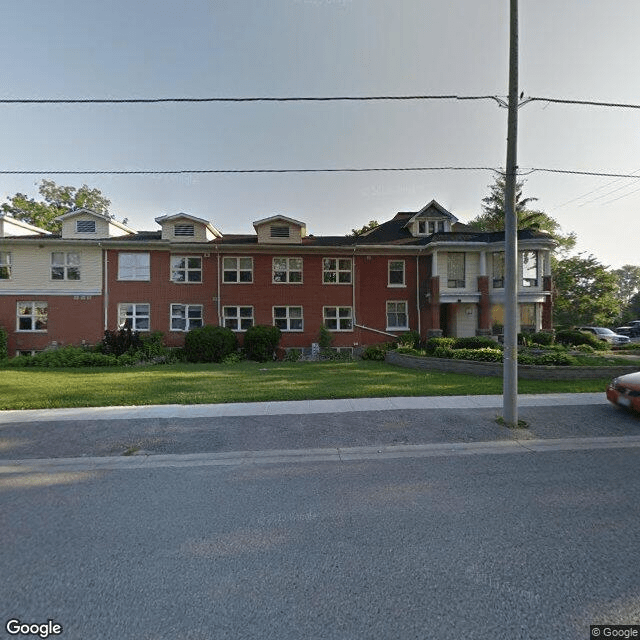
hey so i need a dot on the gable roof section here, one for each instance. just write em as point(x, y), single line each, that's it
point(179, 216)
point(101, 216)
point(278, 218)
point(432, 210)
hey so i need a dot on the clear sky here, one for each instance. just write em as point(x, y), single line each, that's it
point(574, 49)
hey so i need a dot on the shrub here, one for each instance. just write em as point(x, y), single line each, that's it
point(574, 338)
point(475, 342)
point(410, 339)
point(434, 344)
point(4, 353)
point(232, 358)
point(585, 348)
point(261, 341)
point(480, 355)
point(152, 345)
point(544, 338)
point(209, 344)
point(325, 338)
point(118, 342)
point(68, 356)
point(377, 351)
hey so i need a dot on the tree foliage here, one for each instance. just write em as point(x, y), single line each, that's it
point(372, 224)
point(628, 277)
point(586, 292)
point(493, 208)
point(55, 201)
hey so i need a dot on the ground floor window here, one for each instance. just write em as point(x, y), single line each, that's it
point(32, 316)
point(338, 318)
point(288, 318)
point(397, 317)
point(528, 317)
point(185, 317)
point(134, 316)
point(237, 318)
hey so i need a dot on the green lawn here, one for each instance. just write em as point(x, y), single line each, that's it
point(245, 382)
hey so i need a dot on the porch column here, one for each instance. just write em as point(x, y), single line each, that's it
point(547, 305)
point(484, 307)
point(433, 330)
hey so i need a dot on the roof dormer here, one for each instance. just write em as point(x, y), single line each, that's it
point(183, 227)
point(432, 218)
point(84, 224)
point(10, 226)
point(280, 230)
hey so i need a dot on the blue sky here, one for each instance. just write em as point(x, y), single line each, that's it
point(577, 49)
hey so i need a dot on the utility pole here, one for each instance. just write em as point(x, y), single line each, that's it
point(510, 369)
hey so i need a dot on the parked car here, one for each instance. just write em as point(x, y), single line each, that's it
point(606, 335)
point(630, 332)
point(635, 326)
point(625, 391)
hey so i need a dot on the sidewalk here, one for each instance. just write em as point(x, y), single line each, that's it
point(301, 407)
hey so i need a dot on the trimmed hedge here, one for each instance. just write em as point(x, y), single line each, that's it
point(574, 338)
point(261, 342)
point(209, 344)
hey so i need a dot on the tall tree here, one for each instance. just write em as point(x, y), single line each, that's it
point(587, 293)
point(56, 200)
point(492, 216)
point(628, 281)
point(372, 224)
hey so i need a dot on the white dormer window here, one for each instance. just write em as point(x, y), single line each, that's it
point(85, 226)
point(184, 230)
point(279, 231)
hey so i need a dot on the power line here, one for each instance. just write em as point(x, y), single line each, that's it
point(588, 103)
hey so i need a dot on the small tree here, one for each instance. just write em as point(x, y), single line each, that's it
point(209, 344)
point(4, 353)
point(261, 341)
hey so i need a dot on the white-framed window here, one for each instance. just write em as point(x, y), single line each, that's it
point(287, 270)
point(185, 317)
point(134, 266)
point(237, 318)
point(456, 270)
point(65, 265)
point(397, 316)
point(336, 270)
point(396, 273)
point(186, 269)
point(32, 316)
point(5, 265)
point(186, 230)
point(429, 227)
point(237, 270)
point(498, 269)
point(527, 317)
point(85, 226)
point(338, 318)
point(529, 268)
point(288, 318)
point(134, 315)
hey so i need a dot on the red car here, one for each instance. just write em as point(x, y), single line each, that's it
point(625, 391)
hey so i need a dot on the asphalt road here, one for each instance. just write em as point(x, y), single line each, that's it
point(477, 532)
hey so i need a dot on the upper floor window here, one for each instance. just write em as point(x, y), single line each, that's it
point(32, 316)
point(134, 316)
point(529, 268)
point(287, 270)
point(185, 317)
point(65, 266)
point(279, 231)
point(85, 226)
point(396, 273)
point(184, 230)
point(455, 270)
point(186, 269)
point(498, 269)
point(338, 318)
point(336, 270)
point(134, 266)
point(397, 317)
point(237, 269)
point(5, 265)
point(288, 318)
point(429, 227)
point(237, 318)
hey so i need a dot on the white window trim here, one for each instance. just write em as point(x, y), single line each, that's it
point(136, 267)
point(237, 317)
point(133, 318)
point(396, 285)
point(66, 266)
point(186, 318)
point(522, 270)
point(464, 270)
point(186, 269)
point(288, 318)
point(406, 313)
point(32, 315)
point(236, 270)
point(5, 263)
point(337, 271)
point(337, 318)
point(288, 270)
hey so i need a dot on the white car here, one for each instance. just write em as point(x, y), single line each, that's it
point(606, 335)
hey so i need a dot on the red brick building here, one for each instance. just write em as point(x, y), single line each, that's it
point(420, 271)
